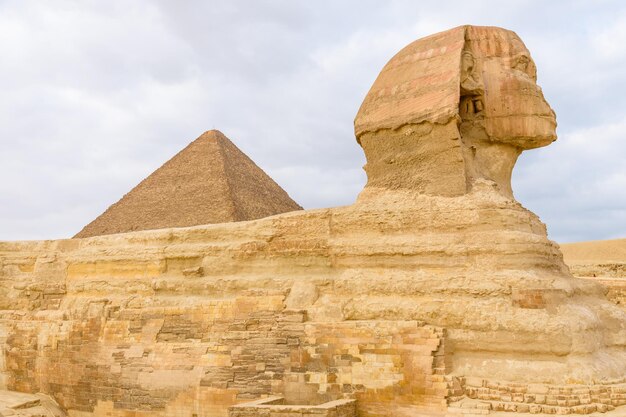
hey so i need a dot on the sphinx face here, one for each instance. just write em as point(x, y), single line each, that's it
point(502, 109)
point(452, 111)
point(515, 111)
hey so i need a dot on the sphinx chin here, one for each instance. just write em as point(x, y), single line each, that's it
point(523, 131)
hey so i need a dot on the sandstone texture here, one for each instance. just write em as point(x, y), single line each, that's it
point(18, 404)
point(210, 181)
point(435, 294)
point(276, 407)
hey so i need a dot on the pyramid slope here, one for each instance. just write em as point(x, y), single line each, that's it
point(210, 181)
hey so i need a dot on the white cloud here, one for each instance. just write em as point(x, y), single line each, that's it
point(96, 95)
point(610, 42)
point(577, 184)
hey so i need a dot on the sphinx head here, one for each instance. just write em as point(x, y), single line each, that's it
point(452, 110)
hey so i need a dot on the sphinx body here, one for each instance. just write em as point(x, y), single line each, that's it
point(447, 117)
point(435, 249)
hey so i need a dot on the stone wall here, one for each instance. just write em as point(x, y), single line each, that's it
point(547, 399)
point(184, 361)
point(276, 407)
point(114, 338)
point(383, 364)
point(154, 359)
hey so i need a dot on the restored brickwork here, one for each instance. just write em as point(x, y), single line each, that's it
point(276, 407)
point(548, 399)
point(381, 364)
point(142, 359)
point(528, 298)
point(109, 359)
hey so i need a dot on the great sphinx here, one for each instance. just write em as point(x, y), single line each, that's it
point(435, 287)
point(443, 126)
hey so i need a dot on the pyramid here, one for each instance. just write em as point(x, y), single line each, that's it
point(210, 181)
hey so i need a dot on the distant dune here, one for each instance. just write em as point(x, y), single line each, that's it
point(595, 251)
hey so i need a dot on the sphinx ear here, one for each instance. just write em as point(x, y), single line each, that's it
point(471, 89)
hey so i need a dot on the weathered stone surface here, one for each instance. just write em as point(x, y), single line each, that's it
point(436, 287)
point(276, 407)
point(210, 181)
point(18, 404)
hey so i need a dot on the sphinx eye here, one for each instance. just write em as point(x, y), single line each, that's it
point(521, 63)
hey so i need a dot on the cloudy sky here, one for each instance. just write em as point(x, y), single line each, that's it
point(95, 95)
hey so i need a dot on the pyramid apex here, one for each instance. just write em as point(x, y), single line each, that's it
point(212, 134)
point(209, 181)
